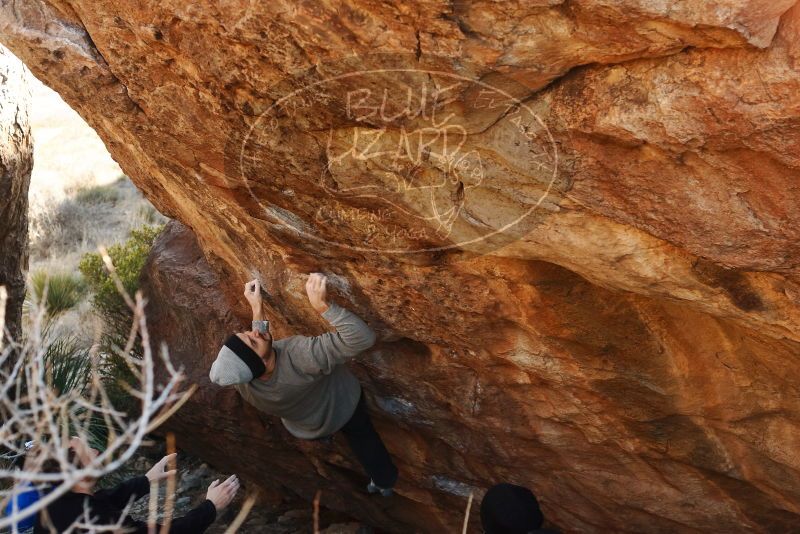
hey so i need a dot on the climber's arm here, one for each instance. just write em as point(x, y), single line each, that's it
point(252, 292)
point(320, 354)
point(120, 495)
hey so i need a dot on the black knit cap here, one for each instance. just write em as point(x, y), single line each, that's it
point(510, 509)
point(247, 355)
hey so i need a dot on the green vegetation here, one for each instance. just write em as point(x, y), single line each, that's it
point(128, 259)
point(68, 364)
point(57, 292)
point(68, 217)
point(98, 194)
point(69, 369)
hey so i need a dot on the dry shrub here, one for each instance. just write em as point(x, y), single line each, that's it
point(98, 194)
point(52, 389)
point(89, 216)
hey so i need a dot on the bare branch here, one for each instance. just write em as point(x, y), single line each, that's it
point(241, 516)
point(466, 514)
point(32, 409)
point(3, 301)
point(169, 506)
point(317, 496)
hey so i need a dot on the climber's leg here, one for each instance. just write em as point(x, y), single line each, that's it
point(368, 447)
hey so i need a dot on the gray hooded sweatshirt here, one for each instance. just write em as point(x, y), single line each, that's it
point(311, 389)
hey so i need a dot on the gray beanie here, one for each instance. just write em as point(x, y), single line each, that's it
point(229, 369)
point(236, 363)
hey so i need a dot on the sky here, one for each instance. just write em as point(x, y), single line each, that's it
point(67, 152)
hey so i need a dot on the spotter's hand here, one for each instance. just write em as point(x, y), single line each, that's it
point(159, 471)
point(221, 495)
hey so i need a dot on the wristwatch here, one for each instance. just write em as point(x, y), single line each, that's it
point(261, 326)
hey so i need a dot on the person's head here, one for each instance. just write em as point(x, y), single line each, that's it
point(510, 509)
point(79, 454)
point(243, 357)
point(261, 343)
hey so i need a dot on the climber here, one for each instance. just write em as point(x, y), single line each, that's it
point(105, 507)
point(304, 381)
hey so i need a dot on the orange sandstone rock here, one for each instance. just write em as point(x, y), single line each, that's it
point(572, 224)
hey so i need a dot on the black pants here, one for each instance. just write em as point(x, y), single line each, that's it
point(368, 447)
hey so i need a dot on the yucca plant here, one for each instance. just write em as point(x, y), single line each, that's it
point(53, 387)
point(67, 371)
point(69, 368)
point(58, 292)
point(68, 364)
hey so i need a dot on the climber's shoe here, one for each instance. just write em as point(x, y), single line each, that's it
point(374, 488)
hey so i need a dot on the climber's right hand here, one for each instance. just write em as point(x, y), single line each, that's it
point(316, 288)
point(252, 292)
point(221, 495)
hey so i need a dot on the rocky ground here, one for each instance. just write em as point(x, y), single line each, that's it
point(273, 513)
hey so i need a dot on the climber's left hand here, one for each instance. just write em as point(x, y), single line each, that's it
point(252, 292)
